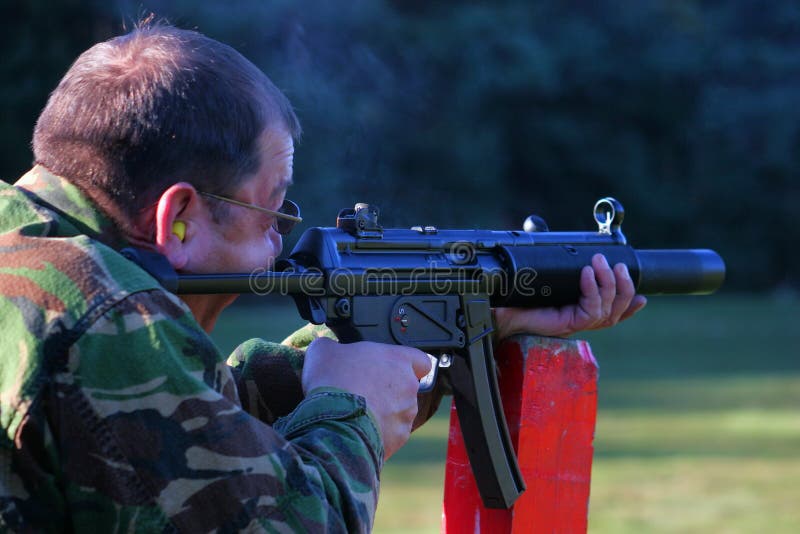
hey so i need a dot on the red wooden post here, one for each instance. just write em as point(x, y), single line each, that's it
point(549, 392)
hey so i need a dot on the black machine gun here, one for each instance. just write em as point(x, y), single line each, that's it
point(434, 289)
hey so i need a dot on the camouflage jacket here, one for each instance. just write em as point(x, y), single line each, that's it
point(119, 414)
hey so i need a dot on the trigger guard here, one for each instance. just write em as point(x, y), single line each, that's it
point(428, 381)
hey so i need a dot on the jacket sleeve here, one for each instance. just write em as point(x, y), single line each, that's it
point(155, 409)
point(268, 376)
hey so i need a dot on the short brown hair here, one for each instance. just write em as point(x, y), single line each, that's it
point(153, 107)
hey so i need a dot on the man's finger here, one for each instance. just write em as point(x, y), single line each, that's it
point(591, 301)
point(625, 293)
point(420, 363)
point(639, 302)
point(607, 284)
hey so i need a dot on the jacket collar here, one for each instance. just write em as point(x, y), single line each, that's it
point(77, 214)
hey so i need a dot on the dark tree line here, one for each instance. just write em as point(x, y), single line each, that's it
point(477, 114)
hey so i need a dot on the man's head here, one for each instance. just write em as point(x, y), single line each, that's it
point(161, 107)
point(157, 106)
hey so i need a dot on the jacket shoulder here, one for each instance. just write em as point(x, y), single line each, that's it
point(51, 292)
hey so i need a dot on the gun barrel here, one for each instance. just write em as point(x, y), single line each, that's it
point(684, 272)
point(555, 280)
point(260, 283)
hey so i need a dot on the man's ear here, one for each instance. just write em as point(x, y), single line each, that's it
point(177, 220)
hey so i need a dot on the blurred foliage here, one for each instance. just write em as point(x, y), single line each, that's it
point(468, 115)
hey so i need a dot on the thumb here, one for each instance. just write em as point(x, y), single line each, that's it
point(320, 343)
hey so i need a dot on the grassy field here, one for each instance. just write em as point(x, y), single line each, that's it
point(698, 423)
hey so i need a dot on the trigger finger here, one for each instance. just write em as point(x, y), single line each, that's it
point(421, 363)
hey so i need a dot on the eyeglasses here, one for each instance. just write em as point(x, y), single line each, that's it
point(287, 216)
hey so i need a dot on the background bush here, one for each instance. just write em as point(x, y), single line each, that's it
point(468, 115)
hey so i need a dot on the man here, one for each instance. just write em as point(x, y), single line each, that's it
point(118, 412)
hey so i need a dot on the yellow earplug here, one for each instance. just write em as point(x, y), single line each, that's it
point(179, 229)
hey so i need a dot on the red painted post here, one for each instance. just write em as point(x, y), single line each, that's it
point(549, 392)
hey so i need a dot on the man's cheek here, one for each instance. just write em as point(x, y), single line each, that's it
point(274, 244)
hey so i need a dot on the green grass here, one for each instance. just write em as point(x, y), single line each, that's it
point(698, 423)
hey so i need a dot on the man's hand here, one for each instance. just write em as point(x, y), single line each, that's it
point(608, 297)
point(387, 376)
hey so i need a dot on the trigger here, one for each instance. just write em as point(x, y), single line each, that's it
point(316, 311)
